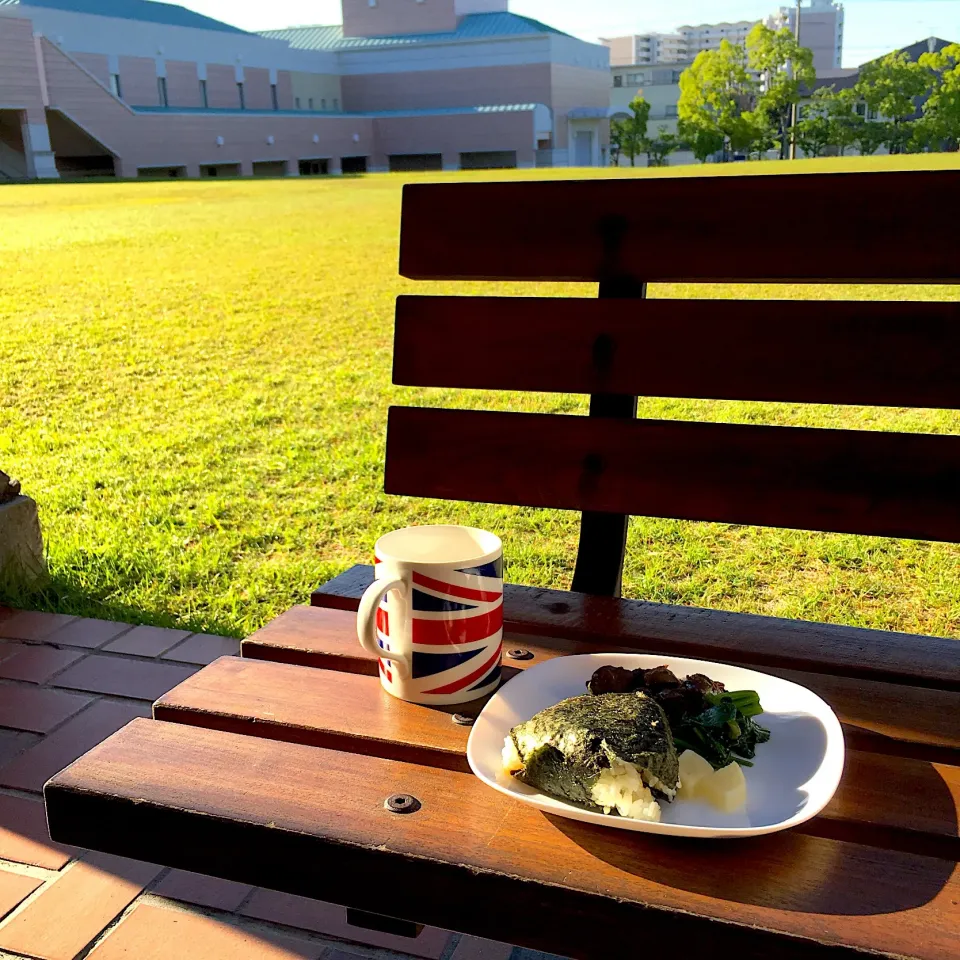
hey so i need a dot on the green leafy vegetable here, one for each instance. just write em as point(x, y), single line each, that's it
point(724, 732)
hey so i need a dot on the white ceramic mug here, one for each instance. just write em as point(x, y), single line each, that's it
point(434, 615)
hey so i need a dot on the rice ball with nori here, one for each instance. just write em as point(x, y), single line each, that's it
point(608, 752)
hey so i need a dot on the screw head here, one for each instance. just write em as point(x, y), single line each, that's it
point(462, 720)
point(402, 803)
point(519, 654)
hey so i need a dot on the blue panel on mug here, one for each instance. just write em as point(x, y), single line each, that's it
point(492, 569)
point(428, 664)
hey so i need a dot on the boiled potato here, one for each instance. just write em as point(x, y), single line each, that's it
point(726, 789)
point(693, 771)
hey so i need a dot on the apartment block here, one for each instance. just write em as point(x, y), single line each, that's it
point(821, 29)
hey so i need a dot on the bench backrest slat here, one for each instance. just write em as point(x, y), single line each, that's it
point(844, 481)
point(901, 354)
point(836, 227)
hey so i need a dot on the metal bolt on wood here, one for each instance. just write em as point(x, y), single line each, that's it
point(462, 720)
point(402, 803)
point(519, 654)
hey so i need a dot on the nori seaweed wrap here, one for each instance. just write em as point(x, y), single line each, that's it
point(600, 752)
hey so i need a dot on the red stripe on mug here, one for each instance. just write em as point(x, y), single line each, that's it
point(440, 632)
point(464, 593)
point(383, 622)
point(472, 678)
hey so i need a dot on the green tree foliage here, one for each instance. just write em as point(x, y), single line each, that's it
point(785, 67)
point(941, 113)
point(814, 131)
point(870, 135)
point(830, 119)
point(717, 92)
point(892, 86)
point(628, 136)
point(660, 147)
point(702, 141)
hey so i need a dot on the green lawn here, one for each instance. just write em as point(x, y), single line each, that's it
point(195, 379)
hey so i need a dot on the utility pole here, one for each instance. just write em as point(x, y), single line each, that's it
point(795, 107)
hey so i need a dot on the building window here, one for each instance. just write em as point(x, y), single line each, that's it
point(670, 113)
point(323, 104)
point(242, 96)
point(162, 91)
point(634, 79)
point(618, 81)
point(675, 78)
point(296, 102)
point(115, 85)
point(204, 101)
point(274, 99)
point(310, 104)
point(336, 104)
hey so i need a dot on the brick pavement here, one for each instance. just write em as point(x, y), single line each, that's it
point(65, 685)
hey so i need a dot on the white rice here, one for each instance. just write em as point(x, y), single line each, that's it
point(621, 788)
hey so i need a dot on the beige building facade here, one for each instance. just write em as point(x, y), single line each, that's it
point(400, 85)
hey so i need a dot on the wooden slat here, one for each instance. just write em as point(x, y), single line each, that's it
point(866, 227)
point(886, 718)
point(312, 822)
point(321, 708)
point(881, 353)
point(843, 481)
point(883, 801)
point(700, 633)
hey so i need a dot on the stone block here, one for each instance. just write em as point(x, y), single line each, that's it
point(22, 563)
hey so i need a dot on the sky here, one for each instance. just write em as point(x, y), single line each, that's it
point(873, 27)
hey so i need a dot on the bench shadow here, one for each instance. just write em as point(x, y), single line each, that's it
point(861, 875)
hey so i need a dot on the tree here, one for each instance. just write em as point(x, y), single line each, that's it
point(715, 93)
point(869, 136)
point(891, 87)
point(844, 119)
point(941, 112)
point(785, 66)
point(815, 131)
point(660, 147)
point(629, 135)
point(702, 141)
point(829, 119)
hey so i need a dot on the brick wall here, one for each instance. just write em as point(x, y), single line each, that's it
point(451, 135)
point(285, 89)
point(183, 84)
point(222, 86)
point(96, 63)
point(397, 16)
point(469, 87)
point(138, 81)
point(256, 88)
point(19, 76)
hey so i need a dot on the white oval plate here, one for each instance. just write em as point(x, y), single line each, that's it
point(794, 774)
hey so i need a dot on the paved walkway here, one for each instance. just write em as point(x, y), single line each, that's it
point(65, 685)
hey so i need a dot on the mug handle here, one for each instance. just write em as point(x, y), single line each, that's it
point(367, 621)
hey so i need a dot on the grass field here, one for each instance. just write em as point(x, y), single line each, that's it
point(194, 382)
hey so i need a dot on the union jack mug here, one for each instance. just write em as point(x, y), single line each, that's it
point(434, 615)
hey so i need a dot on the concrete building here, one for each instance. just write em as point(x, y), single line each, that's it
point(137, 88)
point(821, 29)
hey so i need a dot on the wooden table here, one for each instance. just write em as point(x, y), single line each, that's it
point(274, 769)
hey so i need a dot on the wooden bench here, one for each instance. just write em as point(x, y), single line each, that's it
point(623, 234)
point(275, 773)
